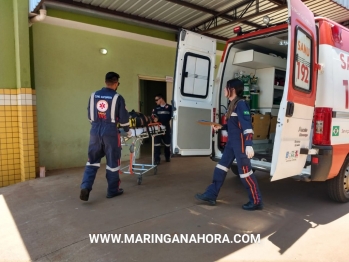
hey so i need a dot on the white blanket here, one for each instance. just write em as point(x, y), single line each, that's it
point(140, 130)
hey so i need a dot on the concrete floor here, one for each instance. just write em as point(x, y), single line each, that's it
point(44, 219)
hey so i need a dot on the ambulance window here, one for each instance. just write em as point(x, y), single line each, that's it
point(195, 75)
point(303, 61)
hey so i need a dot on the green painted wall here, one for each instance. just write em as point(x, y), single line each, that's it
point(68, 68)
point(7, 46)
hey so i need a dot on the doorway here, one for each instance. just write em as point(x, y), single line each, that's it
point(148, 89)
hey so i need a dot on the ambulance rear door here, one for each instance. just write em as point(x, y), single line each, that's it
point(294, 123)
point(192, 94)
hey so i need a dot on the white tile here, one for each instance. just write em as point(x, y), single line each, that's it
point(7, 102)
point(28, 102)
point(19, 102)
point(14, 102)
point(2, 102)
point(22, 96)
point(7, 97)
point(2, 97)
point(28, 96)
point(13, 97)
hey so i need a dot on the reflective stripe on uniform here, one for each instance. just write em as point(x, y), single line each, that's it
point(246, 175)
point(126, 124)
point(167, 145)
point(113, 169)
point(113, 106)
point(92, 107)
point(222, 167)
point(163, 112)
point(248, 131)
point(157, 144)
point(234, 114)
point(95, 164)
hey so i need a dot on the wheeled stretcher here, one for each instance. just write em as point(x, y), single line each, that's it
point(137, 137)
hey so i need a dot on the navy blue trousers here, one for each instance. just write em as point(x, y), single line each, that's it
point(235, 149)
point(103, 143)
point(166, 140)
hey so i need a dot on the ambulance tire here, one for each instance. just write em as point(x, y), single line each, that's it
point(234, 169)
point(338, 187)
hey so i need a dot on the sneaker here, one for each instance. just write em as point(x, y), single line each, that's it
point(157, 162)
point(120, 192)
point(250, 206)
point(84, 194)
point(205, 198)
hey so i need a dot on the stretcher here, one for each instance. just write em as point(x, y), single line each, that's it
point(137, 137)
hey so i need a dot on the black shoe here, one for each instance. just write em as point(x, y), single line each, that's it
point(168, 159)
point(120, 192)
point(157, 162)
point(84, 194)
point(203, 197)
point(250, 206)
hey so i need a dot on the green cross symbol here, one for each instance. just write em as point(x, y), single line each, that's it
point(335, 131)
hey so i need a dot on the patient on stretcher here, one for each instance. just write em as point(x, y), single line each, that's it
point(143, 130)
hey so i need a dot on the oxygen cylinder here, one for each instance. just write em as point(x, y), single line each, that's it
point(224, 133)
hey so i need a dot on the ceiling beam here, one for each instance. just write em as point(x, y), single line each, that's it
point(215, 14)
point(239, 20)
point(278, 2)
point(121, 14)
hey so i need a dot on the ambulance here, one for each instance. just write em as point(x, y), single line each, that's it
point(302, 67)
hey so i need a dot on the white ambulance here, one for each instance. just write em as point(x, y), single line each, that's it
point(303, 72)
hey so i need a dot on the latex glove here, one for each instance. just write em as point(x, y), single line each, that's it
point(249, 151)
point(216, 127)
point(129, 133)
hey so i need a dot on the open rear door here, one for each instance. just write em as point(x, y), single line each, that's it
point(192, 94)
point(293, 131)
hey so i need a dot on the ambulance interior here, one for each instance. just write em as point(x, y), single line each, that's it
point(261, 64)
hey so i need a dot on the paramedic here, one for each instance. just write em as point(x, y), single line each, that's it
point(105, 109)
point(239, 147)
point(162, 113)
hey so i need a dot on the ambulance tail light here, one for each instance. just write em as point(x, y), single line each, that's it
point(322, 126)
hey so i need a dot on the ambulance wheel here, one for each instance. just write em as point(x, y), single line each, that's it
point(234, 169)
point(139, 180)
point(338, 187)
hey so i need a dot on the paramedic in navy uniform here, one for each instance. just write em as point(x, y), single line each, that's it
point(162, 113)
point(105, 109)
point(239, 147)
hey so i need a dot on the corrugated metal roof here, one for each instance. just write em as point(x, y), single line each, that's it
point(215, 18)
point(33, 4)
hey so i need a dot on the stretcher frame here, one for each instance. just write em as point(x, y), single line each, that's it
point(137, 141)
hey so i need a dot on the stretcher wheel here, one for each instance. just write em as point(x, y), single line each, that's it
point(155, 170)
point(139, 180)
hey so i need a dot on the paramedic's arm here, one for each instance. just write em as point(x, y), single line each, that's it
point(244, 117)
point(154, 115)
point(123, 114)
point(88, 110)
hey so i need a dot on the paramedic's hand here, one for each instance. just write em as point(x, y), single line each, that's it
point(129, 133)
point(216, 128)
point(249, 151)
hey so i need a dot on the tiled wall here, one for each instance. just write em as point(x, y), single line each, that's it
point(19, 159)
